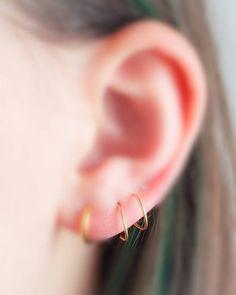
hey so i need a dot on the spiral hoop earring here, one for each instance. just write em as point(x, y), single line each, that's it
point(145, 226)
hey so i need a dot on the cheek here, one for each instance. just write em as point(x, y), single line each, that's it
point(39, 155)
point(42, 142)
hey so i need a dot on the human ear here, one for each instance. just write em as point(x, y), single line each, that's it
point(149, 94)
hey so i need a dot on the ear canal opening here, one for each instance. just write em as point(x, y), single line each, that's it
point(131, 124)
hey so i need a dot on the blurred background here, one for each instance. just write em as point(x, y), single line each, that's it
point(222, 20)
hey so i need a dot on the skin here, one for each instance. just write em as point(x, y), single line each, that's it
point(64, 143)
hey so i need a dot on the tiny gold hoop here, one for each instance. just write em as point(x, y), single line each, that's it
point(124, 237)
point(85, 218)
point(136, 195)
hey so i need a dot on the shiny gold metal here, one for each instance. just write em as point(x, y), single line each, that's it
point(136, 195)
point(85, 218)
point(125, 236)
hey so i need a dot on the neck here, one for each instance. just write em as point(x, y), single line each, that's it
point(72, 267)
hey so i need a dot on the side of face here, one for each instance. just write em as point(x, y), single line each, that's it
point(45, 132)
point(88, 122)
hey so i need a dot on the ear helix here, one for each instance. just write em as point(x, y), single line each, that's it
point(87, 211)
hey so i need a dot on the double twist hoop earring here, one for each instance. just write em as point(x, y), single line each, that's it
point(86, 214)
point(125, 236)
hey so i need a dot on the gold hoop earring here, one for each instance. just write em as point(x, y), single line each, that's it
point(124, 237)
point(85, 218)
point(136, 195)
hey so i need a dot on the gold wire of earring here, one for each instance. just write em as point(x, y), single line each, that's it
point(136, 195)
point(125, 236)
point(85, 218)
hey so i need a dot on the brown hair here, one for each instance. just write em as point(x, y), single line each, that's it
point(189, 250)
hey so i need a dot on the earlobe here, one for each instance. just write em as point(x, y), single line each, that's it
point(150, 95)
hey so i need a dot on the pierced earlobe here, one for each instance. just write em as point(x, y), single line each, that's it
point(86, 214)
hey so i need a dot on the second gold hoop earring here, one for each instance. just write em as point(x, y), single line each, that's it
point(125, 236)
